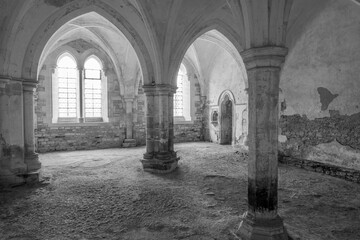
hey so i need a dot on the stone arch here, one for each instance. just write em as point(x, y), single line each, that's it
point(194, 33)
point(92, 53)
point(110, 55)
point(226, 124)
point(188, 62)
point(15, 22)
point(63, 15)
point(66, 50)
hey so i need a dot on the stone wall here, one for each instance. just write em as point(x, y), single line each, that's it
point(53, 136)
point(58, 137)
point(319, 89)
point(78, 137)
point(321, 71)
point(139, 118)
point(332, 140)
point(335, 171)
point(74, 136)
point(227, 75)
point(192, 131)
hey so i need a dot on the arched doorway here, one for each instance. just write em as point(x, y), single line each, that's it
point(226, 126)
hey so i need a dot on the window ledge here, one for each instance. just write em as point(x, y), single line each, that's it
point(183, 122)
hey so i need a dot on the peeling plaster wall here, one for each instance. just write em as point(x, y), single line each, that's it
point(333, 140)
point(326, 55)
point(320, 82)
point(225, 75)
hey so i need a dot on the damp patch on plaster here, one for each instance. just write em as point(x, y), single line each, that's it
point(326, 97)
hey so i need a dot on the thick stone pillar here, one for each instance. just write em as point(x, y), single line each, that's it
point(171, 121)
point(31, 157)
point(129, 141)
point(262, 220)
point(160, 156)
point(12, 165)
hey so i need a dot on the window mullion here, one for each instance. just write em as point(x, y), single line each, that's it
point(81, 94)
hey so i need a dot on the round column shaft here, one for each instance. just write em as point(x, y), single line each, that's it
point(159, 156)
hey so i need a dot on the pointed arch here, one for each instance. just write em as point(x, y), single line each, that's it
point(78, 8)
point(190, 63)
point(61, 63)
point(228, 34)
point(227, 127)
point(227, 93)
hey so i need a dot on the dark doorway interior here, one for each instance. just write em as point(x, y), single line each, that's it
point(226, 121)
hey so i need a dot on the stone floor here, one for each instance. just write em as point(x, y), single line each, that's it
point(104, 194)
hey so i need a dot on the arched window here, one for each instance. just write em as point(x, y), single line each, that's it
point(79, 95)
point(67, 86)
point(182, 111)
point(178, 97)
point(92, 74)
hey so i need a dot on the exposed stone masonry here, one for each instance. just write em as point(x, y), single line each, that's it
point(302, 132)
point(335, 171)
point(79, 137)
point(327, 145)
point(192, 132)
point(61, 137)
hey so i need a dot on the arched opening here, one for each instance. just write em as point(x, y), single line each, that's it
point(92, 88)
point(218, 68)
point(182, 97)
point(67, 87)
point(87, 89)
point(226, 123)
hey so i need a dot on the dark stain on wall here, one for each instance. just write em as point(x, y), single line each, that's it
point(326, 97)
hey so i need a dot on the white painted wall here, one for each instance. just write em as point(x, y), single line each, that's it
point(327, 55)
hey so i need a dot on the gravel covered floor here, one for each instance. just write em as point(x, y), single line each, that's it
point(104, 194)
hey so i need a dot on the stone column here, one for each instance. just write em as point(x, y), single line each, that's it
point(31, 158)
point(12, 165)
point(171, 121)
point(160, 156)
point(129, 141)
point(262, 220)
point(205, 119)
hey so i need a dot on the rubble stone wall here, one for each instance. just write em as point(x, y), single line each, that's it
point(333, 140)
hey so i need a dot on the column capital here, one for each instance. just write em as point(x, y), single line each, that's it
point(270, 56)
point(157, 89)
point(29, 85)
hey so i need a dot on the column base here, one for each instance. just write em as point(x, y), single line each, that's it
point(129, 143)
point(159, 164)
point(262, 229)
point(32, 162)
point(9, 179)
